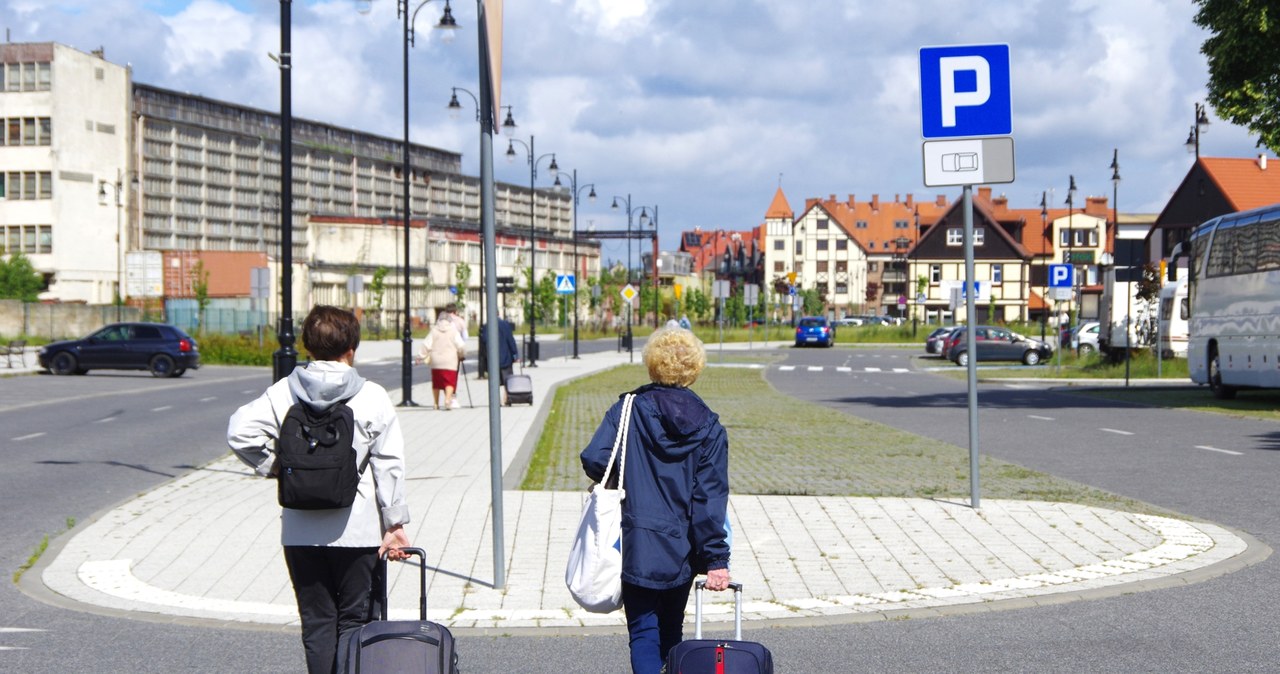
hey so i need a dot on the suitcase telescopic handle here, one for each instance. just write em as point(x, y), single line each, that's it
point(701, 585)
point(422, 581)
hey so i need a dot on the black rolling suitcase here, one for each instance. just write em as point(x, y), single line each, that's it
point(403, 646)
point(519, 389)
point(719, 656)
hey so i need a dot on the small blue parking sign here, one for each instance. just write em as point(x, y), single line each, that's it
point(965, 91)
point(1061, 276)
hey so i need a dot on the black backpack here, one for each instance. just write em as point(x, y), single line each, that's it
point(316, 458)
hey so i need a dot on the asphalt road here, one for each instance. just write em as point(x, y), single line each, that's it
point(107, 436)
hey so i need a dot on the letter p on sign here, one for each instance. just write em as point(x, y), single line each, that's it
point(965, 91)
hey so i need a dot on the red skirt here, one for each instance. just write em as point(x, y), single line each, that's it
point(441, 379)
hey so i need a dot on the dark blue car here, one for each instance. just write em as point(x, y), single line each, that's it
point(162, 349)
point(815, 331)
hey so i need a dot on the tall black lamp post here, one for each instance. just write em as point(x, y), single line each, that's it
point(1044, 224)
point(1193, 138)
point(1071, 259)
point(532, 354)
point(446, 24)
point(286, 357)
point(577, 273)
point(1115, 219)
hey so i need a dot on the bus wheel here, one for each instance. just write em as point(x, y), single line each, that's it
point(1220, 390)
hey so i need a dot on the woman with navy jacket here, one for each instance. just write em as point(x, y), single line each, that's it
point(674, 518)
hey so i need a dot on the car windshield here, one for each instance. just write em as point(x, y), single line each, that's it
point(812, 322)
point(112, 333)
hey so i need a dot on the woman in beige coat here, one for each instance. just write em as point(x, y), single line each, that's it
point(443, 349)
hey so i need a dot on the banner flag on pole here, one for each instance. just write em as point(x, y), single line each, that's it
point(491, 15)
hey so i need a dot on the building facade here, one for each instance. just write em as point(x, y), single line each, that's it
point(101, 163)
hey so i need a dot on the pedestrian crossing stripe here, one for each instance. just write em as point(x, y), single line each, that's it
point(564, 283)
point(820, 368)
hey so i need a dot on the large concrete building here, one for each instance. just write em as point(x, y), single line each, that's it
point(97, 169)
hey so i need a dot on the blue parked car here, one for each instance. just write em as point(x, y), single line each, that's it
point(816, 331)
point(162, 349)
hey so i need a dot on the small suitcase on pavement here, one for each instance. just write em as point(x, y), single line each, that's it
point(403, 646)
point(719, 656)
point(519, 389)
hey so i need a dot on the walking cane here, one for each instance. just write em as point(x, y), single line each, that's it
point(462, 372)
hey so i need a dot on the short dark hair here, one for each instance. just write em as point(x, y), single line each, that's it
point(328, 332)
point(451, 307)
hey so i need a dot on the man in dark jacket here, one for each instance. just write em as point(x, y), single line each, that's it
point(674, 518)
point(508, 351)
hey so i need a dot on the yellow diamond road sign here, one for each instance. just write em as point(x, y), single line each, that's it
point(629, 292)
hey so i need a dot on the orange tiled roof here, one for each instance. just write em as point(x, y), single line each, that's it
point(1036, 240)
point(779, 208)
point(880, 217)
point(1243, 181)
point(706, 247)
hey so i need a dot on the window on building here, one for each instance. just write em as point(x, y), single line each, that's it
point(873, 265)
point(799, 248)
point(29, 239)
point(842, 288)
point(822, 266)
point(842, 244)
point(861, 224)
point(997, 274)
point(822, 244)
point(955, 236)
point(901, 224)
point(779, 244)
point(779, 266)
point(823, 223)
point(979, 235)
point(935, 273)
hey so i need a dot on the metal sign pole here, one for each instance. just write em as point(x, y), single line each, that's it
point(970, 307)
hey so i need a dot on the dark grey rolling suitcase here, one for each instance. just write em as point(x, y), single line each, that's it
point(719, 656)
point(519, 389)
point(403, 646)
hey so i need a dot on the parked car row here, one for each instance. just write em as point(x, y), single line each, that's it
point(992, 343)
point(164, 350)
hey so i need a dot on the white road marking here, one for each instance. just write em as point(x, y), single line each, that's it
point(844, 369)
point(248, 392)
point(28, 436)
point(1215, 449)
point(103, 421)
point(12, 648)
point(786, 368)
point(162, 408)
point(901, 369)
point(1035, 416)
point(1116, 431)
point(815, 368)
point(205, 400)
point(18, 629)
point(871, 369)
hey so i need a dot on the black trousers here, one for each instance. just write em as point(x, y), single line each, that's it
point(335, 589)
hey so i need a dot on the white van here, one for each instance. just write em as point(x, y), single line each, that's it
point(1174, 312)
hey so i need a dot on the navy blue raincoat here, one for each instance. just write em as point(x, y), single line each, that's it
point(677, 483)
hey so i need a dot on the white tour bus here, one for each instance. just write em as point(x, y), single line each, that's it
point(1233, 289)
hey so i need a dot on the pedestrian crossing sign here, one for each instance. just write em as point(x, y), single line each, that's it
point(564, 284)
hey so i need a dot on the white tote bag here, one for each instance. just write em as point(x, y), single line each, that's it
point(594, 572)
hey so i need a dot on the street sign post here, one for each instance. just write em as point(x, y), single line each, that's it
point(564, 284)
point(965, 95)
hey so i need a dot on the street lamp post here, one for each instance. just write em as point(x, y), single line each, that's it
point(615, 207)
point(1071, 243)
point(286, 357)
point(1115, 218)
point(455, 108)
point(1044, 315)
point(577, 193)
point(532, 355)
point(446, 23)
point(1201, 122)
point(118, 185)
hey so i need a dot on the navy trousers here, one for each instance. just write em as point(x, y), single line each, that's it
point(655, 622)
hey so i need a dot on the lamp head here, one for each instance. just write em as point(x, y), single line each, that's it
point(511, 152)
point(448, 26)
point(591, 196)
point(454, 107)
point(615, 204)
point(556, 186)
point(1071, 191)
point(102, 192)
point(553, 167)
point(1191, 140)
point(509, 124)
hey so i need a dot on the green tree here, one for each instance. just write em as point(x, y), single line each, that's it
point(463, 274)
point(378, 286)
point(812, 301)
point(697, 303)
point(200, 285)
point(18, 279)
point(1243, 51)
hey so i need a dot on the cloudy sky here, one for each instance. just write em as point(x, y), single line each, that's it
point(702, 108)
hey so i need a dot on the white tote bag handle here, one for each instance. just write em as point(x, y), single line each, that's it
point(620, 446)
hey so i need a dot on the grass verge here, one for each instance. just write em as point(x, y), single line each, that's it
point(780, 445)
point(39, 552)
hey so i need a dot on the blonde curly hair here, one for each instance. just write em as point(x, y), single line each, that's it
point(674, 356)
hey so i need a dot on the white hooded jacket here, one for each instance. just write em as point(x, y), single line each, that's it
point(380, 498)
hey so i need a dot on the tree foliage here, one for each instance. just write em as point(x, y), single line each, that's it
point(18, 279)
point(1243, 51)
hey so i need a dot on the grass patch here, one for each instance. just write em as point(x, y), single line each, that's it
point(780, 445)
point(31, 561)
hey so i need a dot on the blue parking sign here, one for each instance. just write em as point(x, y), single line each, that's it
point(965, 91)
